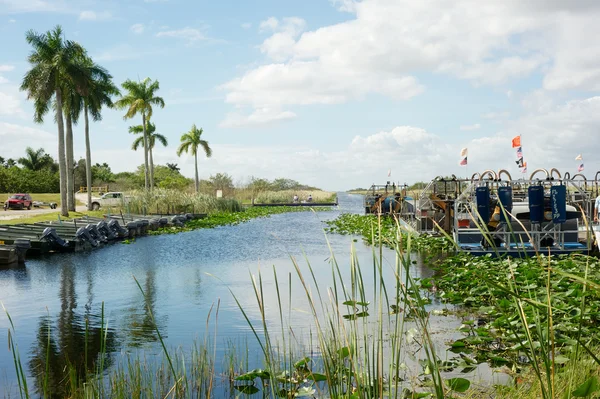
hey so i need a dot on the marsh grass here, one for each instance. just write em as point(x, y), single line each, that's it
point(163, 201)
point(287, 196)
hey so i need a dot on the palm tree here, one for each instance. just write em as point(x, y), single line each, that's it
point(99, 91)
point(190, 141)
point(72, 105)
point(35, 159)
point(53, 63)
point(152, 137)
point(139, 100)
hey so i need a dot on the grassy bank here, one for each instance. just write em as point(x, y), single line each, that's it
point(50, 217)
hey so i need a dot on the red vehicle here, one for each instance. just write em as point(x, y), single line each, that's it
point(18, 201)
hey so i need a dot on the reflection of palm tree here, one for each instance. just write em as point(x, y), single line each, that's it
point(140, 325)
point(66, 351)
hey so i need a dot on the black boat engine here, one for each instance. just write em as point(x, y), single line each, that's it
point(84, 235)
point(50, 235)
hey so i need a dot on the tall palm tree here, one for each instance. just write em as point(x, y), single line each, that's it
point(53, 62)
point(190, 142)
point(35, 159)
point(139, 100)
point(72, 106)
point(99, 91)
point(152, 137)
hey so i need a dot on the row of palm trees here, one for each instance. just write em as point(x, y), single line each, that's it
point(63, 77)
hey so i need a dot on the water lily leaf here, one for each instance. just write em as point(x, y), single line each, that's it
point(305, 391)
point(246, 389)
point(354, 303)
point(587, 388)
point(302, 362)
point(458, 384)
point(316, 377)
point(407, 393)
point(344, 352)
point(249, 376)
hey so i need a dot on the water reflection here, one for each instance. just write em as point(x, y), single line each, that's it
point(140, 325)
point(73, 346)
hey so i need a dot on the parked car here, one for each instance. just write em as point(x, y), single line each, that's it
point(18, 201)
point(110, 199)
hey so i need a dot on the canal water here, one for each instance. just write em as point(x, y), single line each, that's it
point(185, 278)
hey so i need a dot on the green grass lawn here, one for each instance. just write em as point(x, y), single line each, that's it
point(52, 216)
point(46, 197)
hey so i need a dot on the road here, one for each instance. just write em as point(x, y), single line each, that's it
point(17, 214)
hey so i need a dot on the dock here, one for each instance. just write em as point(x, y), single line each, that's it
point(79, 234)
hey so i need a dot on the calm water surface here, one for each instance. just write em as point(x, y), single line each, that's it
point(183, 275)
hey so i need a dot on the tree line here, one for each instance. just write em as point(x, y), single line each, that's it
point(64, 78)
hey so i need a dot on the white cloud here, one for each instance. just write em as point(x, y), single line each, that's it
point(391, 41)
point(10, 105)
point(6, 68)
point(260, 117)
point(246, 25)
point(12, 21)
point(20, 137)
point(470, 127)
point(94, 16)
point(18, 6)
point(268, 24)
point(191, 35)
point(137, 28)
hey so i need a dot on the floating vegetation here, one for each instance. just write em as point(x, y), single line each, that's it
point(386, 230)
point(233, 218)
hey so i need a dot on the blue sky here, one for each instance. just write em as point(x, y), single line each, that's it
point(331, 93)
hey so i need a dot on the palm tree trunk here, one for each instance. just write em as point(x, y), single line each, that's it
point(151, 168)
point(64, 210)
point(196, 165)
point(88, 159)
point(70, 169)
point(146, 170)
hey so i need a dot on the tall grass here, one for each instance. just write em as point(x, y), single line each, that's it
point(287, 196)
point(162, 201)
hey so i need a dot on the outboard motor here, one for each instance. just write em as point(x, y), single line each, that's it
point(143, 223)
point(21, 246)
point(153, 224)
point(105, 231)
point(49, 235)
point(84, 235)
point(132, 228)
point(163, 222)
point(176, 221)
point(116, 228)
point(96, 235)
point(189, 216)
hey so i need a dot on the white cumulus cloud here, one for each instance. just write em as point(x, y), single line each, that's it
point(470, 127)
point(190, 35)
point(137, 28)
point(94, 16)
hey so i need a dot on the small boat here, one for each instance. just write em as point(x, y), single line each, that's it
point(15, 253)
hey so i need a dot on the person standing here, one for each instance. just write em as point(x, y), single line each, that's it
point(596, 208)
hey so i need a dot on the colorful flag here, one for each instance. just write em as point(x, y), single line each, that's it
point(389, 172)
point(463, 162)
point(516, 141)
point(520, 162)
point(524, 170)
point(579, 158)
point(464, 152)
point(519, 152)
point(580, 168)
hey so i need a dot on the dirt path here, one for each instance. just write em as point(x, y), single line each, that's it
point(17, 214)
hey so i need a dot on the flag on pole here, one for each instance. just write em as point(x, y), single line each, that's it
point(580, 168)
point(516, 141)
point(524, 170)
point(464, 152)
point(579, 158)
point(463, 162)
point(389, 172)
point(520, 152)
point(520, 162)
